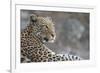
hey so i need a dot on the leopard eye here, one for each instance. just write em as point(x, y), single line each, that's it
point(45, 27)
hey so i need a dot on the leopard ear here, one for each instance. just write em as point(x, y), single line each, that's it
point(49, 18)
point(33, 18)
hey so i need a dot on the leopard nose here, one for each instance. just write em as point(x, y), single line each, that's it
point(45, 39)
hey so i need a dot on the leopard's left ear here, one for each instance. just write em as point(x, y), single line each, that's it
point(33, 18)
point(49, 18)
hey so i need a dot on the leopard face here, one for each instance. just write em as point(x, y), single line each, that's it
point(43, 27)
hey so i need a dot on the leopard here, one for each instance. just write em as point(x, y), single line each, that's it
point(39, 31)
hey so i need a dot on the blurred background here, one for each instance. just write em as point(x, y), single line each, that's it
point(72, 31)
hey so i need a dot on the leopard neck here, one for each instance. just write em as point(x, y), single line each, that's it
point(32, 33)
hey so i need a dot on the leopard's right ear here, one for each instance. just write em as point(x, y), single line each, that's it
point(33, 18)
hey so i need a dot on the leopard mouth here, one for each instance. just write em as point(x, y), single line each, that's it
point(51, 41)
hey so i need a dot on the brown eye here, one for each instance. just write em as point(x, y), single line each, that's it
point(52, 35)
point(45, 27)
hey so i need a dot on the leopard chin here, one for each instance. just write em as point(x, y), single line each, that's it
point(51, 41)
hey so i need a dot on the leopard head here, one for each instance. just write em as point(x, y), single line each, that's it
point(43, 27)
